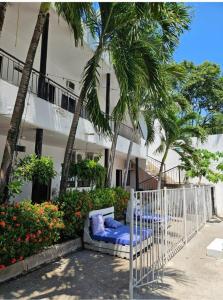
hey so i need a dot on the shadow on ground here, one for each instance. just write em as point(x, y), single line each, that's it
point(85, 275)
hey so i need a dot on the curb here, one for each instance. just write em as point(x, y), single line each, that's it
point(37, 260)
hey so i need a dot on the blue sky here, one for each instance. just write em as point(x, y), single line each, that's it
point(204, 40)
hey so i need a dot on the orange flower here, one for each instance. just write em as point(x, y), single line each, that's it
point(2, 223)
point(14, 218)
point(17, 205)
point(78, 214)
point(41, 211)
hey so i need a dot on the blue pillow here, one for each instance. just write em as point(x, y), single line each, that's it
point(111, 223)
point(97, 224)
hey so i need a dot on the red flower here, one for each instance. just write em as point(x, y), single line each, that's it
point(78, 214)
point(13, 260)
point(39, 232)
point(14, 218)
point(21, 258)
point(17, 224)
point(19, 239)
point(2, 223)
point(2, 267)
point(28, 237)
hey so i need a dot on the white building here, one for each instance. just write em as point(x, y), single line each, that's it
point(48, 111)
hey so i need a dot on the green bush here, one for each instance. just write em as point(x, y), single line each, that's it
point(121, 201)
point(76, 206)
point(27, 228)
point(29, 167)
point(89, 169)
point(102, 198)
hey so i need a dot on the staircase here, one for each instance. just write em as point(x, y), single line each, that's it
point(171, 178)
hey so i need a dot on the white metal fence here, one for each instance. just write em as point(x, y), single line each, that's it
point(173, 217)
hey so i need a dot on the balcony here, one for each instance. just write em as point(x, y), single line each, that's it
point(49, 90)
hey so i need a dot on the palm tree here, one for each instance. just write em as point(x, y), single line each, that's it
point(72, 13)
point(176, 134)
point(165, 39)
point(3, 6)
point(116, 20)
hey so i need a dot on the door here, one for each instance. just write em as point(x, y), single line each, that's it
point(118, 177)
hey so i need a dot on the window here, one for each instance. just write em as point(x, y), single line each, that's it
point(90, 155)
point(49, 92)
point(68, 103)
point(70, 85)
point(128, 178)
point(79, 157)
point(118, 177)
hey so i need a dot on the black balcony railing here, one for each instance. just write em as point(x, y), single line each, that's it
point(48, 89)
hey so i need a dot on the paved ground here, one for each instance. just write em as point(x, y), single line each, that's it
point(89, 275)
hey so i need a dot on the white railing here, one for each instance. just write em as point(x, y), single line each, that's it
point(173, 216)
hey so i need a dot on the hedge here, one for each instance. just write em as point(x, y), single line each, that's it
point(76, 205)
point(27, 228)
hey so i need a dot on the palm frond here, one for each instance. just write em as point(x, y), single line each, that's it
point(74, 14)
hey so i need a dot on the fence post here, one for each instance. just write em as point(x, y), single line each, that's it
point(204, 203)
point(165, 223)
point(131, 287)
point(196, 208)
point(185, 215)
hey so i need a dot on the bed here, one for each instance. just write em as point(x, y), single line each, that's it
point(147, 216)
point(115, 241)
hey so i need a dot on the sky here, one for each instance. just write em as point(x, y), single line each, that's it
point(204, 40)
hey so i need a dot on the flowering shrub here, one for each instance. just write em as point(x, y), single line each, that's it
point(26, 228)
point(76, 206)
point(121, 201)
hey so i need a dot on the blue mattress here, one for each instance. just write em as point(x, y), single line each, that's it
point(156, 218)
point(121, 235)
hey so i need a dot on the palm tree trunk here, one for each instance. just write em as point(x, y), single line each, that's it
point(70, 143)
point(128, 160)
point(15, 123)
point(108, 181)
point(72, 134)
point(2, 14)
point(159, 185)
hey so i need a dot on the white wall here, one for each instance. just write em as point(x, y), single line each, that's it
point(173, 158)
point(64, 60)
point(55, 153)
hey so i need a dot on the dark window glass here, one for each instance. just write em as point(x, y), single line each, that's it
point(1, 61)
point(68, 103)
point(118, 177)
point(128, 178)
point(49, 92)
